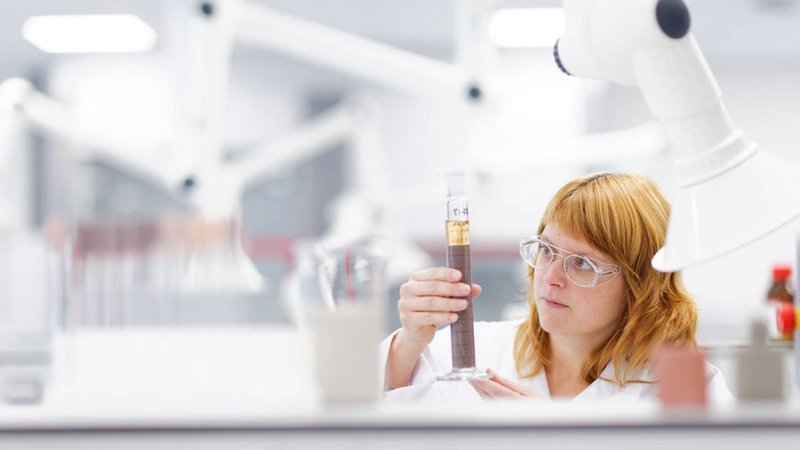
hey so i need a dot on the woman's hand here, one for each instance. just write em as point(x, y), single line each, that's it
point(427, 301)
point(497, 387)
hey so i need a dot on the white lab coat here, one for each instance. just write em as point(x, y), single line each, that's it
point(494, 343)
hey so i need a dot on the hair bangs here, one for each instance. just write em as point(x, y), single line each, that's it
point(585, 210)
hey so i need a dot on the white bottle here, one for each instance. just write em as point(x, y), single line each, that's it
point(760, 370)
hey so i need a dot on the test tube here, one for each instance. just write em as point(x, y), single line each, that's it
point(462, 338)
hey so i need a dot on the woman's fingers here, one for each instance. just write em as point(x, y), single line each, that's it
point(432, 304)
point(476, 290)
point(478, 386)
point(438, 281)
point(420, 319)
point(513, 386)
point(499, 387)
point(434, 288)
point(489, 389)
point(436, 273)
point(431, 298)
point(505, 382)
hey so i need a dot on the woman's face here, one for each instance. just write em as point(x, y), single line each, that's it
point(569, 310)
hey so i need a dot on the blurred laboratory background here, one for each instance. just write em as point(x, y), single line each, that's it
point(328, 123)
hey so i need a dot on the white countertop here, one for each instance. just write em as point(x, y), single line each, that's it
point(237, 382)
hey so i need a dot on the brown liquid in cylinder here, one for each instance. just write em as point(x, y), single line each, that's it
point(462, 337)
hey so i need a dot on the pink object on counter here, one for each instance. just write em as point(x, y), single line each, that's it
point(681, 376)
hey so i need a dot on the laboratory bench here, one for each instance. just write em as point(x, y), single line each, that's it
point(247, 388)
point(151, 425)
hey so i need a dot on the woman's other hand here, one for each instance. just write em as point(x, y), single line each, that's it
point(497, 387)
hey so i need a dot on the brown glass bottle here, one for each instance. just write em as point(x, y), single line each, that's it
point(779, 290)
point(778, 295)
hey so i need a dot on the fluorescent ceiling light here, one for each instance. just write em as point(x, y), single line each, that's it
point(106, 33)
point(527, 27)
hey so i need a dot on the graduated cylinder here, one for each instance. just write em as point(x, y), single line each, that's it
point(462, 337)
point(458, 257)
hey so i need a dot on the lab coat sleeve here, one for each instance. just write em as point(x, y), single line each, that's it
point(493, 348)
point(430, 364)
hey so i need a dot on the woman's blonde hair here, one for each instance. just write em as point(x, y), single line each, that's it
point(625, 217)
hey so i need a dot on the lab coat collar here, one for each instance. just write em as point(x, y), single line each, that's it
point(603, 387)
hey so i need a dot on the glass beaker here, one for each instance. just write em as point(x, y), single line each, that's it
point(344, 307)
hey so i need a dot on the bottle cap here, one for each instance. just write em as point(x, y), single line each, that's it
point(785, 318)
point(781, 273)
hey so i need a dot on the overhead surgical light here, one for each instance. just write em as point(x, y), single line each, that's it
point(103, 33)
point(526, 27)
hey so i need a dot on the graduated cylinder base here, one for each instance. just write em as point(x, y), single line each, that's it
point(463, 374)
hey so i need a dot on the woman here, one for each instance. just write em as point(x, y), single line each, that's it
point(598, 309)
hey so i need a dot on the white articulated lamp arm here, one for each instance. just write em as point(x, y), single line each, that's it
point(34, 109)
point(224, 23)
point(647, 43)
point(347, 53)
point(304, 142)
